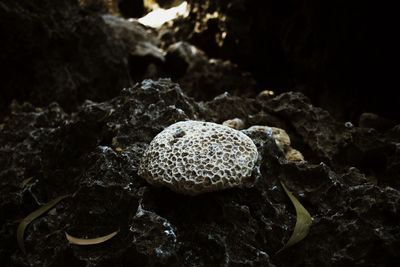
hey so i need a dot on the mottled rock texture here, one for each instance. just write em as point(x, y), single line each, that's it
point(204, 78)
point(354, 220)
point(52, 50)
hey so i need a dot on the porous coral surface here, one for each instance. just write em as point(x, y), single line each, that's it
point(193, 157)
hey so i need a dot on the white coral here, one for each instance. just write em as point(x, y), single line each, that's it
point(194, 157)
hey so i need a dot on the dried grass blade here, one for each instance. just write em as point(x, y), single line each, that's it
point(303, 221)
point(89, 241)
point(26, 181)
point(28, 219)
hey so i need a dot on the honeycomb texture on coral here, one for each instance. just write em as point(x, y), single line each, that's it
point(194, 157)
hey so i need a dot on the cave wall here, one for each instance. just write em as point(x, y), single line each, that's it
point(340, 53)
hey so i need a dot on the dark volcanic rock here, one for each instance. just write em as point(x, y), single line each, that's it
point(52, 50)
point(94, 155)
point(204, 78)
point(145, 57)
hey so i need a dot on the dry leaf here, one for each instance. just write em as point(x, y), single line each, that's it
point(303, 221)
point(89, 241)
point(28, 219)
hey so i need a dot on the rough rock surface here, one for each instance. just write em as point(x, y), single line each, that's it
point(144, 57)
point(55, 142)
point(354, 220)
point(55, 51)
point(138, 40)
point(204, 78)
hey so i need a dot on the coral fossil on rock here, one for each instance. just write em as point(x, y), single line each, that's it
point(194, 157)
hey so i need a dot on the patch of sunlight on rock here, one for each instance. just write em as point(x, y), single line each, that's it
point(159, 16)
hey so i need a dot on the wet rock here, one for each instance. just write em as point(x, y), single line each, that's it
point(94, 155)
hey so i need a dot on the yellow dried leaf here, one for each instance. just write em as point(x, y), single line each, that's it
point(28, 219)
point(303, 221)
point(89, 241)
point(118, 149)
